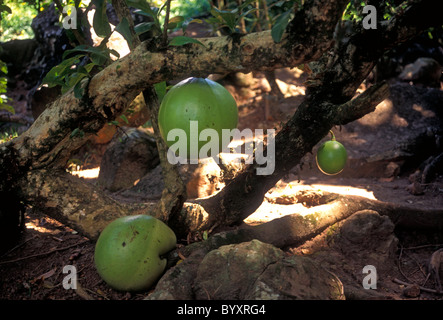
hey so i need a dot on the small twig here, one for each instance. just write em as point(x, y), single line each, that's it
point(266, 12)
point(43, 254)
point(181, 255)
point(423, 246)
point(17, 118)
point(17, 246)
point(417, 263)
point(100, 294)
point(165, 28)
point(399, 264)
point(81, 292)
point(242, 20)
point(421, 288)
point(122, 10)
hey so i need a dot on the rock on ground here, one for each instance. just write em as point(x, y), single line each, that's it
point(130, 166)
point(249, 270)
point(129, 157)
point(259, 271)
point(364, 239)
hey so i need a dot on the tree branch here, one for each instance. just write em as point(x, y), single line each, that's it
point(123, 12)
point(296, 228)
point(174, 193)
point(68, 122)
point(352, 60)
point(362, 104)
point(75, 202)
point(109, 92)
point(17, 118)
point(341, 72)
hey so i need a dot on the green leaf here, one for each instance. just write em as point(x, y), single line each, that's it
point(144, 6)
point(7, 107)
point(78, 90)
point(100, 21)
point(125, 31)
point(5, 8)
point(280, 26)
point(3, 67)
point(74, 132)
point(124, 118)
point(229, 17)
point(84, 49)
point(160, 89)
point(89, 67)
point(56, 74)
point(143, 27)
point(244, 14)
point(245, 4)
point(98, 55)
point(175, 21)
point(182, 40)
point(74, 80)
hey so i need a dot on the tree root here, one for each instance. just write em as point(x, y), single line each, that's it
point(74, 202)
point(433, 167)
point(295, 229)
point(421, 287)
point(66, 198)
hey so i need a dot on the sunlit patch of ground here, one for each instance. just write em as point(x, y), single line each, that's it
point(45, 225)
point(282, 200)
point(285, 192)
point(87, 174)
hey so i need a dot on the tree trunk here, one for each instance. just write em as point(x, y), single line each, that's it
point(33, 164)
point(294, 229)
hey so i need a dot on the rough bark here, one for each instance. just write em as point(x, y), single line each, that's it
point(245, 194)
point(294, 229)
point(174, 193)
point(32, 163)
point(328, 102)
point(68, 122)
point(74, 202)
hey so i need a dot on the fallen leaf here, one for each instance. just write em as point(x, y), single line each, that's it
point(48, 285)
point(75, 255)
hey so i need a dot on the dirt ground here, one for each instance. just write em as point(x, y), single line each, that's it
point(34, 268)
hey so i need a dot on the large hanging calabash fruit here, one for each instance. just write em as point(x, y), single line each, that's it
point(201, 100)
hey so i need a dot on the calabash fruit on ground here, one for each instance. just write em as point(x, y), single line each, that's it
point(128, 252)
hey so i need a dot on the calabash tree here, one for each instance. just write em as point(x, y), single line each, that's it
point(32, 165)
